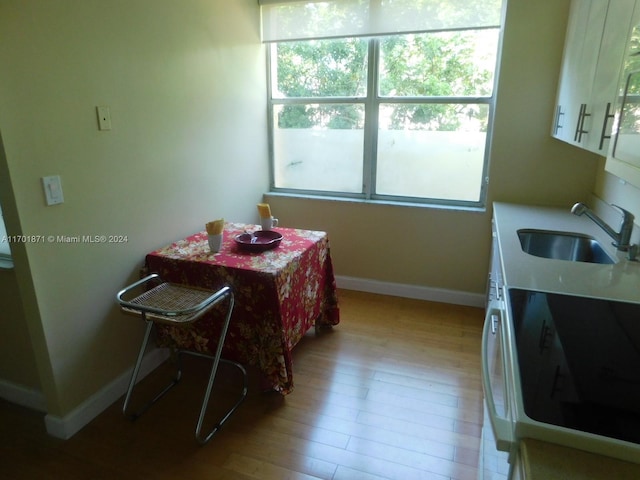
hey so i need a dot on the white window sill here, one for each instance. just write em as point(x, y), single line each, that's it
point(435, 206)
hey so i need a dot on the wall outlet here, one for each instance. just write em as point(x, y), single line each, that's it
point(104, 118)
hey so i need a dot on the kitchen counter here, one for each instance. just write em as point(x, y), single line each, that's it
point(620, 281)
point(547, 461)
point(563, 335)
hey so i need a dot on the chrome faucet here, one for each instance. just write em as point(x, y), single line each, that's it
point(622, 238)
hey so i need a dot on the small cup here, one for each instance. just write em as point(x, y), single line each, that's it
point(267, 223)
point(215, 242)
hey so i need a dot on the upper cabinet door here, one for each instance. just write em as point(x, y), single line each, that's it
point(605, 93)
point(594, 50)
point(623, 159)
point(572, 87)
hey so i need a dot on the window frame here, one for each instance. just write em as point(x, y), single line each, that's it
point(372, 102)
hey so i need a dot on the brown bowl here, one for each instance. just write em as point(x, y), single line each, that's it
point(258, 241)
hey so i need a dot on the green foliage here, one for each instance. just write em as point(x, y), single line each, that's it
point(445, 64)
point(322, 68)
point(334, 116)
point(296, 116)
point(631, 111)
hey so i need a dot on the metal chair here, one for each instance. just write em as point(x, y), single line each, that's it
point(176, 304)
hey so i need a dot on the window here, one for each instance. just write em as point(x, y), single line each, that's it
point(392, 116)
point(4, 244)
point(5, 250)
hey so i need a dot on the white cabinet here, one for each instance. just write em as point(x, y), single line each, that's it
point(579, 61)
point(494, 463)
point(623, 159)
point(592, 61)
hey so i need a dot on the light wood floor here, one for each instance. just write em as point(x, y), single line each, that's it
point(393, 392)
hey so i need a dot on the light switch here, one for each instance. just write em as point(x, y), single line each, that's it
point(104, 118)
point(52, 189)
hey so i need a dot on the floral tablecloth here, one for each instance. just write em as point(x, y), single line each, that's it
point(279, 295)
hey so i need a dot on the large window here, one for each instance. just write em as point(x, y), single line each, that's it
point(5, 250)
point(391, 116)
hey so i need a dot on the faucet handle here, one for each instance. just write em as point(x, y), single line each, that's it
point(627, 216)
point(626, 227)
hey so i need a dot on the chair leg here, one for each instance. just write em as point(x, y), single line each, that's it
point(136, 371)
point(214, 369)
point(204, 438)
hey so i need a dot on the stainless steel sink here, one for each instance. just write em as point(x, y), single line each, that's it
point(574, 247)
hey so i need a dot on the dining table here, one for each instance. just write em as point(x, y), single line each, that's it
point(280, 293)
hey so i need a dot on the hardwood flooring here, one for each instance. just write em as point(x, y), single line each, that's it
point(393, 392)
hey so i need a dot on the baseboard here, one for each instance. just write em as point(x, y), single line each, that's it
point(21, 395)
point(68, 425)
point(411, 291)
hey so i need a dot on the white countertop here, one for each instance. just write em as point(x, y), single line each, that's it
point(620, 281)
point(547, 461)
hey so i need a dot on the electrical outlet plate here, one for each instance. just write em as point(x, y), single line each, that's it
point(104, 118)
point(52, 189)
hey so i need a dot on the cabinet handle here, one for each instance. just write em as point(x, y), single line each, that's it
point(582, 107)
point(580, 124)
point(554, 387)
point(494, 324)
point(607, 116)
point(544, 334)
point(559, 114)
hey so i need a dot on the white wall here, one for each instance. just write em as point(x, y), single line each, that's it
point(185, 85)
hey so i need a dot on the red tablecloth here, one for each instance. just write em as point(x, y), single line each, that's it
point(279, 295)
